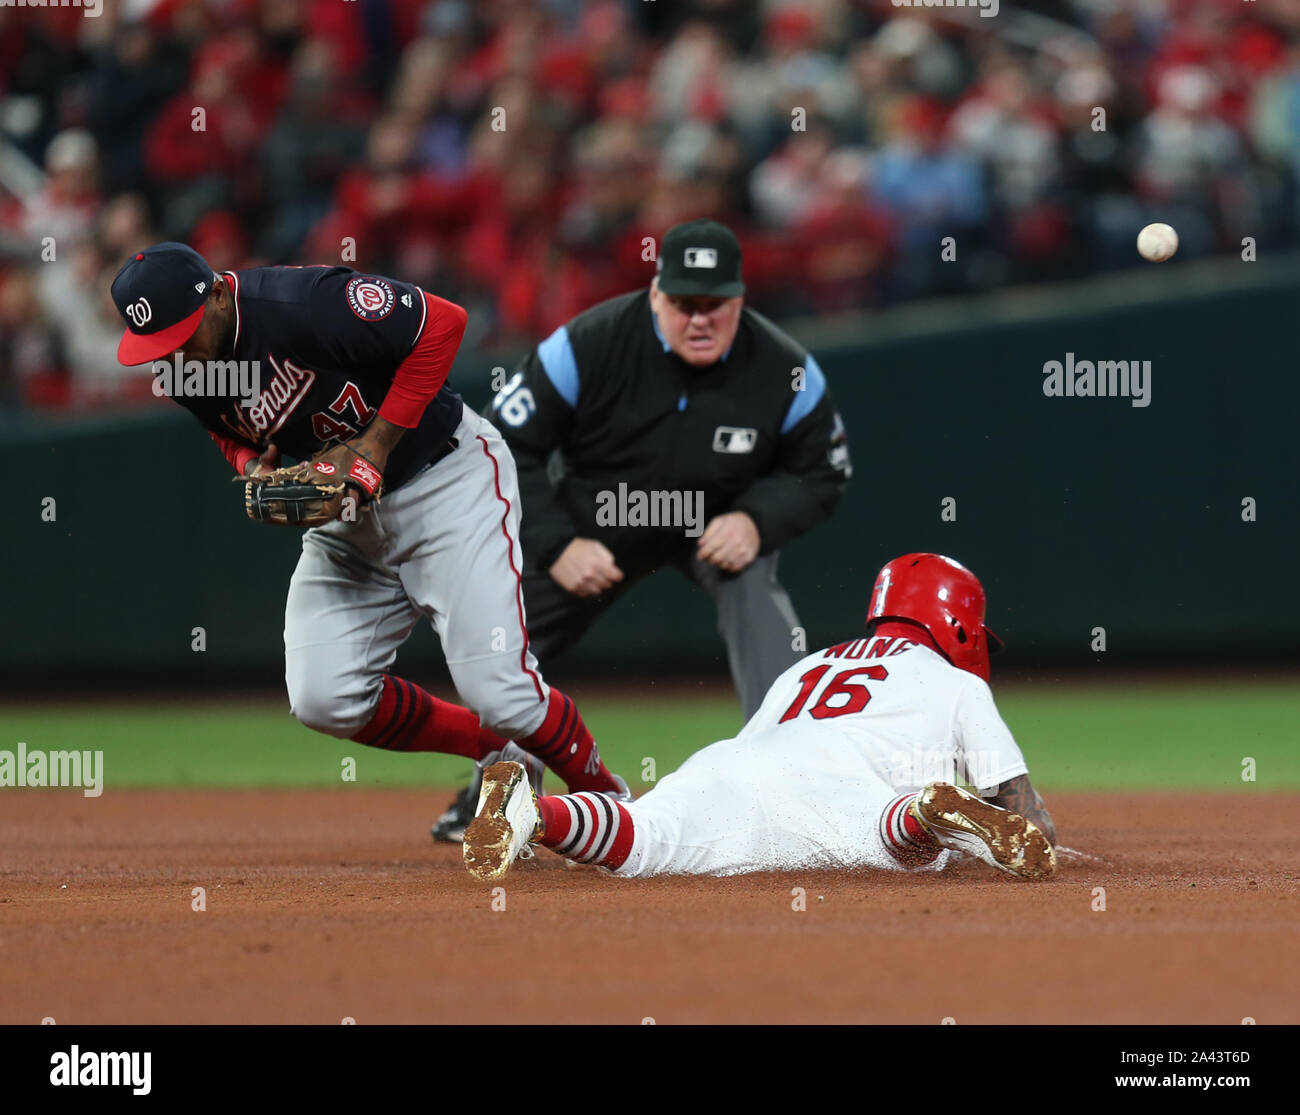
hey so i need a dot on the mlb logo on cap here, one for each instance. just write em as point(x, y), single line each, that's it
point(161, 294)
point(700, 258)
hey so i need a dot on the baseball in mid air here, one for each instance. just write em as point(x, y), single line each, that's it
point(1157, 242)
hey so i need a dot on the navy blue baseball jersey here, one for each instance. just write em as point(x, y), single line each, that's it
point(328, 341)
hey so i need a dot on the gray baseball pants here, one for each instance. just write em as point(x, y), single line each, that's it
point(443, 547)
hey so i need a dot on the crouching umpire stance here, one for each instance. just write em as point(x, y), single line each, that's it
point(679, 390)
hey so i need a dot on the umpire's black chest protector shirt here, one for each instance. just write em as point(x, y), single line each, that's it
point(755, 432)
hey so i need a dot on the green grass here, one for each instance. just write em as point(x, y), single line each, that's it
point(1147, 736)
point(1158, 736)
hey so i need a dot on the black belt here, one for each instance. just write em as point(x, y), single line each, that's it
point(447, 448)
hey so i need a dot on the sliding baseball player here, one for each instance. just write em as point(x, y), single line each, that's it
point(852, 761)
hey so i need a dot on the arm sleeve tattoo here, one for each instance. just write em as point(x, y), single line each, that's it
point(1019, 796)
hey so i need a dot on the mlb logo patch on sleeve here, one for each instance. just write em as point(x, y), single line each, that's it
point(734, 439)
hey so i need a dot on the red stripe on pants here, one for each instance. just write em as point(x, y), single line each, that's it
point(510, 555)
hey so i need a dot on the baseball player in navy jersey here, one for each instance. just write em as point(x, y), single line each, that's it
point(351, 372)
point(850, 762)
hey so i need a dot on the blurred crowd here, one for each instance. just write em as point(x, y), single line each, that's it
point(518, 156)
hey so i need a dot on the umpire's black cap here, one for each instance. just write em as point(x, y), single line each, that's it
point(700, 258)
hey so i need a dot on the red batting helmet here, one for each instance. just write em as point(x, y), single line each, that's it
point(945, 598)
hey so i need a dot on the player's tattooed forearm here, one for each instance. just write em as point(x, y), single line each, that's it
point(1019, 796)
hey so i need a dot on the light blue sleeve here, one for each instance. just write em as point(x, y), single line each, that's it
point(814, 388)
point(561, 366)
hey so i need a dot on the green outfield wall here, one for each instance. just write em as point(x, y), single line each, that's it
point(1079, 513)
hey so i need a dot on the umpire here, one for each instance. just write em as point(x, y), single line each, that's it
point(679, 395)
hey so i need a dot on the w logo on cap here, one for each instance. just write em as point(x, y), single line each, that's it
point(140, 312)
point(162, 295)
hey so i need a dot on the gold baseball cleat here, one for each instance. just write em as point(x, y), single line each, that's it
point(505, 823)
point(1006, 840)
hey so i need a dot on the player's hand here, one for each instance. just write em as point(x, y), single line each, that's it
point(342, 455)
point(585, 568)
point(730, 542)
point(350, 467)
point(265, 463)
point(359, 463)
point(377, 441)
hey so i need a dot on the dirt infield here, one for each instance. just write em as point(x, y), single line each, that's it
point(322, 905)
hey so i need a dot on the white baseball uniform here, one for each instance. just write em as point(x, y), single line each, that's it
point(840, 735)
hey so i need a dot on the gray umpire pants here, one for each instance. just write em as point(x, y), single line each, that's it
point(756, 620)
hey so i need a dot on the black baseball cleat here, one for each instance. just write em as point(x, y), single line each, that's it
point(450, 827)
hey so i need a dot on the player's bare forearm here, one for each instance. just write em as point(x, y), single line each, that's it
point(1019, 796)
point(378, 440)
point(372, 445)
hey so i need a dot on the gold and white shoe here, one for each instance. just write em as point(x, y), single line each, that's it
point(505, 823)
point(1006, 840)
point(450, 827)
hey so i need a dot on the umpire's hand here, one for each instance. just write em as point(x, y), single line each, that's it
point(585, 568)
point(730, 542)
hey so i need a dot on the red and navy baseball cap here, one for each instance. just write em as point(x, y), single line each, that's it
point(160, 293)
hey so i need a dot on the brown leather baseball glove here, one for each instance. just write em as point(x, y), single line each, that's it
point(336, 483)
